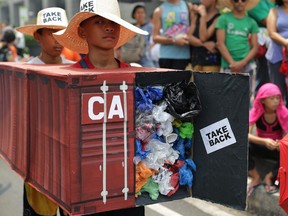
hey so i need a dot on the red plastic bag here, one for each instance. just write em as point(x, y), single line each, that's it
point(262, 49)
point(282, 174)
point(284, 65)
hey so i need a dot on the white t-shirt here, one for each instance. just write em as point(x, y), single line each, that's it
point(37, 60)
point(20, 40)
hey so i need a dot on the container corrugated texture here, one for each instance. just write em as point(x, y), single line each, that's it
point(55, 120)
point(14, 117)
point(66, 152)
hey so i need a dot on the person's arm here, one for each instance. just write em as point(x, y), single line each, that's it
point(204, 32)
point(253, 50)
point(237, 66)
point(269, 143)
point(158, 38)
point(194, 41)
point(272, 28)
point(221, 36)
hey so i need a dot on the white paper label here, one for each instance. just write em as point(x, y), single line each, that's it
point(217, 136)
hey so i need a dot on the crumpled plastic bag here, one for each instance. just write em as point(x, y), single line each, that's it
point(154, 93)
point(183, 100)
point(143, 104)
point(139, 152)
point(150, 187)
point(186, 174)
point(142, 175)
point(163, 179)
point(163, 119)
point(160, 153)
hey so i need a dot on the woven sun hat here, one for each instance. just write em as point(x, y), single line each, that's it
point(227, 4)
point(110, 10)
point(52, 18)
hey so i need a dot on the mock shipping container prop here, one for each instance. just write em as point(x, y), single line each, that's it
point(78, 148)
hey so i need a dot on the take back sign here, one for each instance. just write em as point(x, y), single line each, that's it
point(93, 107)
point(217, 136)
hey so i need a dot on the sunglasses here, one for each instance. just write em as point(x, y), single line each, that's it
point(236, 1)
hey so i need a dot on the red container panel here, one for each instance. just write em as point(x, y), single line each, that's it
point(14, 117)
point(66, 151)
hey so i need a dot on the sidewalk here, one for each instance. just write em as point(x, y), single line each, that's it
point(264, 204)
point(260, 202)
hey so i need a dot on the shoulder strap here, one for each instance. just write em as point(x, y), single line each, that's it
point(83, 63)
point(188, 12)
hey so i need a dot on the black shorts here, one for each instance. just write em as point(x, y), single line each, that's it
point(180, 64)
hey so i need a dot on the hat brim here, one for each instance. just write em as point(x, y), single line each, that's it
point(70, 39)
point(31, 29)
point(227, 4)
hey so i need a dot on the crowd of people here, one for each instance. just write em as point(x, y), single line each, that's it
point(225, 36)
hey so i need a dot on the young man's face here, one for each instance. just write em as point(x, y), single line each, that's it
point(47, 42)
point(100, 32)
point(239, 5)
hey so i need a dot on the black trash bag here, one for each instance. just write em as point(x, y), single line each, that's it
point(183, 100)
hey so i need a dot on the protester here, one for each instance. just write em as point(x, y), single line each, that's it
point(260, 13)
point(98, 33)
point(134, 50)
point(277, 26)
point(154, 48)
point(20, 43)
point(270, 116)
point(202, 37)
point(35, 203)
point(139, 14)
point(171, 21)
point(233, 31)
point(8, 52)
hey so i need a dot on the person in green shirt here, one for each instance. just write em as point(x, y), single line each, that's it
point(260, 12)
point(237, 38)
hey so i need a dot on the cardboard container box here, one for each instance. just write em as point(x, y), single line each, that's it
point(70, 114)
point(14, 117)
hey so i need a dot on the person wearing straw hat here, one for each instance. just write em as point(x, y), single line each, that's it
point(49, 20)
point(96, 32)
point(233, 32)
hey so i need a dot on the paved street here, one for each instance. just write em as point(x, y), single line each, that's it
point(11, 191)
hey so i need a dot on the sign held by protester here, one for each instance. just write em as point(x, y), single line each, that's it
point(217, 136)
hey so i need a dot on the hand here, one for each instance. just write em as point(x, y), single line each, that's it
point(181, 41)
point(237, 66)
point(271, 144)
point(202, 10)
point(211, 46)
point(194, 8)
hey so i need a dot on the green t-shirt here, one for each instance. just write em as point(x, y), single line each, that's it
point(261, 11)
point(237, 35)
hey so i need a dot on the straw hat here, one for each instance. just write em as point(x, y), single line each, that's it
point(52, 18)
point(69, 37)
point(227, 4)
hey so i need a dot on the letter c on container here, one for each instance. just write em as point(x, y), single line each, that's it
point(91, 113)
